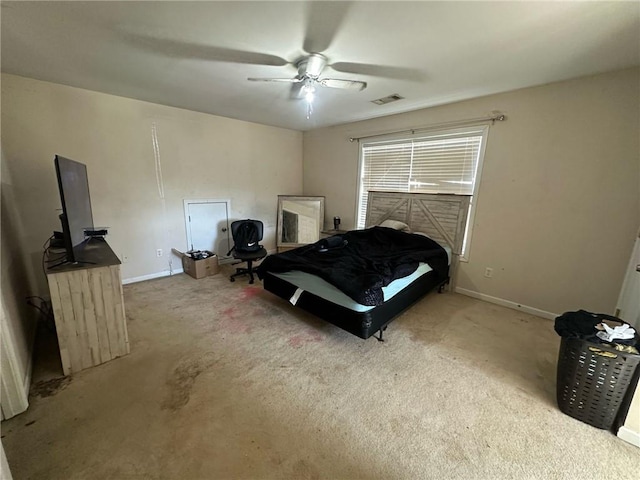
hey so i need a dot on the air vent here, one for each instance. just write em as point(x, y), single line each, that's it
point(391, 98)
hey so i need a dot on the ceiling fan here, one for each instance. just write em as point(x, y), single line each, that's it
point(309, 69)
point(324, 20)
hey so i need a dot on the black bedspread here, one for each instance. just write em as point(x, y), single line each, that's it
point(364, 262)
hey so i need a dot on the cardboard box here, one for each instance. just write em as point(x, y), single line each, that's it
point(199, 268)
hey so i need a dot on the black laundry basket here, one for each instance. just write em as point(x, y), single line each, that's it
point(593, 380)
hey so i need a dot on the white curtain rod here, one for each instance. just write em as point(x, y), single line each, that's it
point(497, 118)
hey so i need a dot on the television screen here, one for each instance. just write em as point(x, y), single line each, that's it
point(76, 202)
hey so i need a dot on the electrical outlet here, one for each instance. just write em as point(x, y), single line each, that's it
point(125, 259)
point(488, 272)
point(159, 252)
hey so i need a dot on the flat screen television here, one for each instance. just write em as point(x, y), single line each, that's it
point(76, 216)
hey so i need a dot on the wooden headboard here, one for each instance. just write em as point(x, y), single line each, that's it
point(443, 217)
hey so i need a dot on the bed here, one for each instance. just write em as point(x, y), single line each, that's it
point(362, 280)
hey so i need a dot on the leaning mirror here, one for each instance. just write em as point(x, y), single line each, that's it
point(300, 220)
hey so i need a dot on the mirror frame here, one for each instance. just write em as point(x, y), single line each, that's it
point(281, 199)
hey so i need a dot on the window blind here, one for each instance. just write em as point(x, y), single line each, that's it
point(445, 162)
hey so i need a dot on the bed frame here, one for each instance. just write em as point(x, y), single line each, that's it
point(441, 217)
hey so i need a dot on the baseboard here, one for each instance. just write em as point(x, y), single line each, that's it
point(629, 436)
point(507, 303)
point(168, 273)
point(151, 276)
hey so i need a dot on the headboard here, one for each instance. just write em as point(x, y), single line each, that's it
point(443, 217)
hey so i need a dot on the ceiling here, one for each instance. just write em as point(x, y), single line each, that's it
point(198, 55)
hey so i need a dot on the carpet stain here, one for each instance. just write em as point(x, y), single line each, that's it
point(229, 312)
point(299, 340)
point(47, 388)
point(398, 425)
point(302, 470)
point(232, 321)
point(182, 378)
point(268, 311)
point(247, 293)
point(456, 453)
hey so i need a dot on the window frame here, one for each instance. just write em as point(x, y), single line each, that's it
point(483, 130)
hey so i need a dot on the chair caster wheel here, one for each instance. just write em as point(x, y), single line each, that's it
point(232, 279)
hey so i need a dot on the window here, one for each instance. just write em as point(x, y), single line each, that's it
point(437, 162)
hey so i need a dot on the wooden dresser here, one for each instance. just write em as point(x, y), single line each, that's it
point(88, 307)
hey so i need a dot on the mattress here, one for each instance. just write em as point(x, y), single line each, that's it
point(322, 299)
point(306, 282)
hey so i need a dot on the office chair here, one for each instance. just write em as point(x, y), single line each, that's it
point(246, 235)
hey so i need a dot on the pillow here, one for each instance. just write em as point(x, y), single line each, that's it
point(396, 225)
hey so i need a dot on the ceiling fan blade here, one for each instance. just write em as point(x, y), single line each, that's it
point(180, 49)
point(323, 21)
point(398, 73)
point(345, 84)
point(296, 92)
point(283, 80)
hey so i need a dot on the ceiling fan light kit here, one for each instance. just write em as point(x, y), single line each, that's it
point(311, 65)
point(310, 68)
point(309, 92)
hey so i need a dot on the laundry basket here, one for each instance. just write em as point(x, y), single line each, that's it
point(593, 380)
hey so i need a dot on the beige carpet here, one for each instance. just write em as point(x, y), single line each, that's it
point(226, 381)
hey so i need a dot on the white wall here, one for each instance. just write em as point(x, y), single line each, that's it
point(559, 205)
point(199, 155)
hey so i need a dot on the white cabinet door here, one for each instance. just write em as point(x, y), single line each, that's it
point(208, 226)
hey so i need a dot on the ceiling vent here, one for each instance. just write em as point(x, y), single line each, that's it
point(391, 98)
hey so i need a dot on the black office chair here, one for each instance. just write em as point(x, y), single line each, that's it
point(246, 235)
